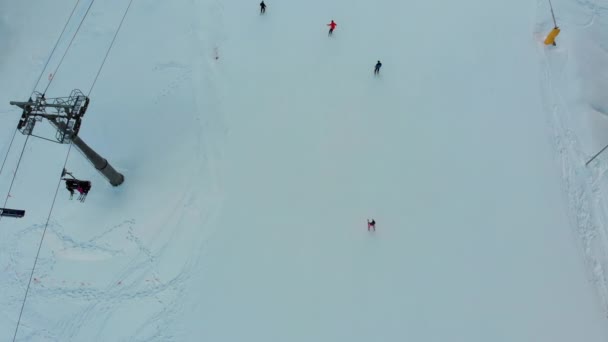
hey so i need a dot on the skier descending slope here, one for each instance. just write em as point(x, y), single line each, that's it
point(262, 7)
point(377, 68)
point(332, 26)
point(371, 225)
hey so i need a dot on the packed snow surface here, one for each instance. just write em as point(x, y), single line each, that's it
point(255, 147)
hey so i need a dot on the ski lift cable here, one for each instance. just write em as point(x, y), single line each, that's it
point(63, 57)
point(40, 77)
point(8, 194)
point(64, 166)
point(69, 45)
point(110, 47)
point(56, 44)
point(27, 289)
point(47, 139)
point(104, 61)
point(50, 81)
point(552, 14)
point(8, 150)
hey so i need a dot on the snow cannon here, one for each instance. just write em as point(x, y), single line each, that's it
point(550, 40)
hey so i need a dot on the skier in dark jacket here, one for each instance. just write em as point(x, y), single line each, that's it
point(262, 7)
point(371, 225)
point(377, 68)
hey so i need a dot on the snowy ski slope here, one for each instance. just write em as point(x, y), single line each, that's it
point(254, 149)
point(574, 88)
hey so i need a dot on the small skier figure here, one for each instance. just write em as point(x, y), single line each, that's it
point(332, 26)
point(371, 225)
point(377, 68)
point(262, 7)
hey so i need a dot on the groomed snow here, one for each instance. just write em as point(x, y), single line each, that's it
point(249, 176)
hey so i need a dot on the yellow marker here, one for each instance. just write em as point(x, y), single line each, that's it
point(550, 40)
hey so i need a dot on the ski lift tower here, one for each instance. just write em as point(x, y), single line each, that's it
point(65, 114)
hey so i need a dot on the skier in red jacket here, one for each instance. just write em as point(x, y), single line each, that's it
point(332, 26)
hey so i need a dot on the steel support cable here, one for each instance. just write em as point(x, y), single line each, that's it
point(29, 283)
point(57, 43)
point(64, 166)
point(552, 14)
point(8, 194)
point(110, 47)
point(48, 85)
point(69, 45)
point(8, 150)
point(40, 76)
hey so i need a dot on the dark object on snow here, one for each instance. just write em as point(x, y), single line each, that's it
point(262, 7)
point(82, 186)
point(377, 68)
point(12, 212)
point(371, 225)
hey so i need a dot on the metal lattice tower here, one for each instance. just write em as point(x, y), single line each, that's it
point(62, 111)
point(65, 114)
